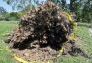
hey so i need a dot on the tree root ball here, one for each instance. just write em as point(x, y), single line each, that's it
point(44, 31)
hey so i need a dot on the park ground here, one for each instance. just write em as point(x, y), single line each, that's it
point(82, 32)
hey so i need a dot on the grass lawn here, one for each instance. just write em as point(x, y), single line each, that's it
point(82, 32)
point(5, 54)
point(85, 43)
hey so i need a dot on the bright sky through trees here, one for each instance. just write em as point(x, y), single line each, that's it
point(9, 8)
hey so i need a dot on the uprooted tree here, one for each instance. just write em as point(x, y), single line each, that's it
point(45, 26)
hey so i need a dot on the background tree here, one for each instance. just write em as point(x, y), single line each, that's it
point(2, 11)
point(61, 3)
point(79, 7)
point(87, 12)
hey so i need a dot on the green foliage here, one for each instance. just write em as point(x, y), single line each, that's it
point(10, 16)
point(82, 9)
point(13, 16)
point(2, 18)
point(87, 12)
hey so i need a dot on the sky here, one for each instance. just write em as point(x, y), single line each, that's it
point(5, 6)
point(9, 8)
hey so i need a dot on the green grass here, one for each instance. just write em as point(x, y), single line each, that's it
point(85, 43)
point(5, 54)
point(82, 32)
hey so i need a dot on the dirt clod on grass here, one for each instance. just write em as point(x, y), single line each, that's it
point(42, 33)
